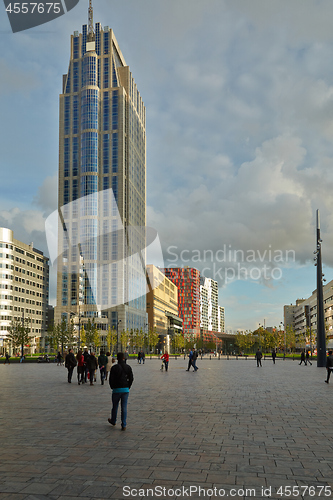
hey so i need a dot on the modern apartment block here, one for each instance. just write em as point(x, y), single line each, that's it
point(102, 186)
point(24, 287)
point(305, 313)
point(162, 306)
point(209, 304)
point(211, 314)
point(187, 280)
point(221, 327)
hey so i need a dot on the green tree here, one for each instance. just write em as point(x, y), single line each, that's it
point(18, 333)
point(240, 341)
point(249, 340)
point(89, 333)
point(290, 337)
point(124, 338)
point(83, 337)
point(153, 339)
point(61, 333)
point(96, 336)
point(51, 337)
point(178, 342)
point(111, 338)
point(140, 339)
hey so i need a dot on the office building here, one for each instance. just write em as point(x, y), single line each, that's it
point(102, 186)
point(24, 288)
point(162, 307)
point(304, 317)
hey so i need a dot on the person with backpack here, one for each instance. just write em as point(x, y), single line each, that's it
point(120, 380)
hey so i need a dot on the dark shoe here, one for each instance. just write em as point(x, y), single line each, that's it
point(102, 382)
point(91, 383)
point(187, 370)
point(326, 382)
point(123, 428)
point(110, 422)
point(79, 383)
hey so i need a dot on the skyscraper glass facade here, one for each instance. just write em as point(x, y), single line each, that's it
point(102, 185)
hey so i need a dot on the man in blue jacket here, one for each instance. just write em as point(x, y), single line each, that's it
point(120, 380)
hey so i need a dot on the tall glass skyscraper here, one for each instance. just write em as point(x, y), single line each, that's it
point(102, 186)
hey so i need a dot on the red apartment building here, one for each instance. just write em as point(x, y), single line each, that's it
point(187, 280)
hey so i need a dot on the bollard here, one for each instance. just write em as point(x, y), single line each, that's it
point(210, 356)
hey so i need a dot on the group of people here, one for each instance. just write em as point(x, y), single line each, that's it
point(87, 365)
point(141, 357)
point(305, 358)
point(192, 360)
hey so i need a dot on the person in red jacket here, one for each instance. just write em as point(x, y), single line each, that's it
point(80, 367)
point(165, 359)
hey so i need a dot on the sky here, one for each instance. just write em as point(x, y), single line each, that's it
point(239, 101)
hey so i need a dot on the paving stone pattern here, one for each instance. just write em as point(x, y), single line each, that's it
point(230, 425)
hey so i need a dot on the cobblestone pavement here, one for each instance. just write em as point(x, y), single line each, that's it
point(229, 426)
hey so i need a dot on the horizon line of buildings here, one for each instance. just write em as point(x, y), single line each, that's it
point(179, 299)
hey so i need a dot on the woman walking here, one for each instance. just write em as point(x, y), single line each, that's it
point(80, 367)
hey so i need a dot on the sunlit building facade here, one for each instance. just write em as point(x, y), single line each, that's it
point(24, 289)
point(187, 280)
point(102, 186)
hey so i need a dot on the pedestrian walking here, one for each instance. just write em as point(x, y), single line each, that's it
point(273, 356)
point(143, 357)
point(7, 358)
point(109, 364)
point(307, 357)
point(102, 363)
point(120, 380)
point(70, 364)
point(139, 357)
point(165, 359)
point(92, 367)
point(59, 359)
point(190, 357)
point(80, 367)
point(194, 360)
point(126, 356)
point(258, 357)
point(329, 365)
point(86, 356)
point(303, 360)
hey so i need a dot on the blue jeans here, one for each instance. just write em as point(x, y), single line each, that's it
point(116, 397)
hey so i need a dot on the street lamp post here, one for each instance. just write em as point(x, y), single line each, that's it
point(321, 339)
point(118, 340)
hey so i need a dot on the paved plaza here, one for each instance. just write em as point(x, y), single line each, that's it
point(229, 429)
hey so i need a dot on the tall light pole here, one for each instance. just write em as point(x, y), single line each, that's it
point(321, 338)
point(118, 343)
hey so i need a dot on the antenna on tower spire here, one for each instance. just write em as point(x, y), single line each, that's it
point(91, 32)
